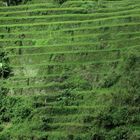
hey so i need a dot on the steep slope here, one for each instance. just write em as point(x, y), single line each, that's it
point(75, 70)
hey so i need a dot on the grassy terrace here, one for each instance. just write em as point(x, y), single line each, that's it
point(70, 71)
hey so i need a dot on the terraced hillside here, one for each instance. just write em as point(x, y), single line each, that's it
point(70, 70)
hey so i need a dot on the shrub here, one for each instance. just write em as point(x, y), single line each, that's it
point(61, 1)
point(14, 2)
point(119, 133)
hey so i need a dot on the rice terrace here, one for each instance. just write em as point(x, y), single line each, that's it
point(69, 69)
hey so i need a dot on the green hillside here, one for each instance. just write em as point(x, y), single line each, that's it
point(69, 70)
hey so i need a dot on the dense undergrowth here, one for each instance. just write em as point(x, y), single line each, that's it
point(70, 70)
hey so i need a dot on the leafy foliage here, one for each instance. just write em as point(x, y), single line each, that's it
point(15, 2)
point(70, 72)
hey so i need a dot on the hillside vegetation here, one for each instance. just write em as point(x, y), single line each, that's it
point(69, 70)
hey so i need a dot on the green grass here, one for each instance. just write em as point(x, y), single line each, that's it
point(71, 15)
point(71, 22)
point(80, 28)
point(80, 45)
point(65, 63)
point(74, 70)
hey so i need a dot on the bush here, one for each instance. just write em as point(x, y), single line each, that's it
point(5, 70)
point(21, 110)
point(119, 133)
point(15, 2)
point(114, 117)
point(61, 1)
